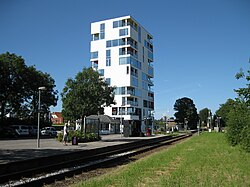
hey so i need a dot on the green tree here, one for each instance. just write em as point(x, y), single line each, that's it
point(238, 119)
point(203, 115)
point(186, 109)
point(49, 97)
point(244, 93)
point(19, 88)
point(85, 95)
point(224, 111)
point(12, 91)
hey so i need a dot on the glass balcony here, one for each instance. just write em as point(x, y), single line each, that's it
point(151, 71)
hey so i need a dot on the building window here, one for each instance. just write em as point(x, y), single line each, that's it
point(131, 61)
point(131, 110)
point(115, 24)
point(114, 43)
point(122, 51)
point(101, 72)
point(102, 31)
point(108, 43)
point(95, 37)
point(108, 57)
point(150, 71)
point(120, 91)
point(108, 81)
point(102, 35)
point(114, 110)
point(150, 55)
point(148, 45)
point(123, 32)
point(139, 34)
point(134, 72)
point(134, 82)
point(108, 53)
point(108, 62)
point(144, 85)
point(95, 64)
point(120, 23)
point(94, 54)
point(102, 27)
point(132, 24)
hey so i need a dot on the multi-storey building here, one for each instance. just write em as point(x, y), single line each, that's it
point(122, 52)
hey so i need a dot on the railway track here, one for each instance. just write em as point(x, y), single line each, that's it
point(48, 169)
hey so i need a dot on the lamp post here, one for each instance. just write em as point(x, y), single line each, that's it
point(38, 121)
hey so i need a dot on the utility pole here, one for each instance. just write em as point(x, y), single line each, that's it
point(38, 120)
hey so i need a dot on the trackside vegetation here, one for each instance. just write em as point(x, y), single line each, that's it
point(205, 160)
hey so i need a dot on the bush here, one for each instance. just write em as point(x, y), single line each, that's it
point(59, 136)
point(238, 126)
point(81, 138)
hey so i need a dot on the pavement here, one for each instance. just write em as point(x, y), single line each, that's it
point(23, 149)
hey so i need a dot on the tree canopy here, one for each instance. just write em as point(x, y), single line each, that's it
point(224, 111)
point(19, 88)
point(186, 110)
point(86, 94)
point(203, 115)
point(244, 93)
point(238, 117)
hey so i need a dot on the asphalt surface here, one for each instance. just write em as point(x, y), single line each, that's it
point(23, 149)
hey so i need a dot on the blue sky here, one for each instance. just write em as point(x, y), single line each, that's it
point(199, 45)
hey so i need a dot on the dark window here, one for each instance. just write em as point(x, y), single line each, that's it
point(108, 43)
point(115, 24)
point(114, 111)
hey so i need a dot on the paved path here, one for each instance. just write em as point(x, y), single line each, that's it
point(15, 150)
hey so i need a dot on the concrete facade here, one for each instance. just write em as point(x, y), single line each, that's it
point(122, 52)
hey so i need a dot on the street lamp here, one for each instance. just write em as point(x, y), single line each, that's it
point(39, 108)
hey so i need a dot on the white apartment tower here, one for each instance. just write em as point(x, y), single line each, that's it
point(122, 52)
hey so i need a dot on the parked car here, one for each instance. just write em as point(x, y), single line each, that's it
point(21, 130)
point(7, 132)
point(32, 130)
point(49, 131)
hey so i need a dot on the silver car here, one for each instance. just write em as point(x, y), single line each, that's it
point(49, 131)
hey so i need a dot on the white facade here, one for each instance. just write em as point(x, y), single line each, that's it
point(122, 51)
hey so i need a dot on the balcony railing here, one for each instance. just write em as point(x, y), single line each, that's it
point(132, 103)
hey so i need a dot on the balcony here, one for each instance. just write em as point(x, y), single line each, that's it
point(150, 82)
point(150, 71)
point(132, 103)
point(150, 39)
point(128, 51)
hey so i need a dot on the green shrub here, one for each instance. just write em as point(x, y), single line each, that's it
point(238, 126)
point(59, 137)
point(81, 137)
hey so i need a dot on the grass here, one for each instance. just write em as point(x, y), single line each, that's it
point(205, 160)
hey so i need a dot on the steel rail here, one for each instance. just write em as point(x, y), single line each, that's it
point(78, 165)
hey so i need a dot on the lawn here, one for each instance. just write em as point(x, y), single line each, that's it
point(205, 160)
